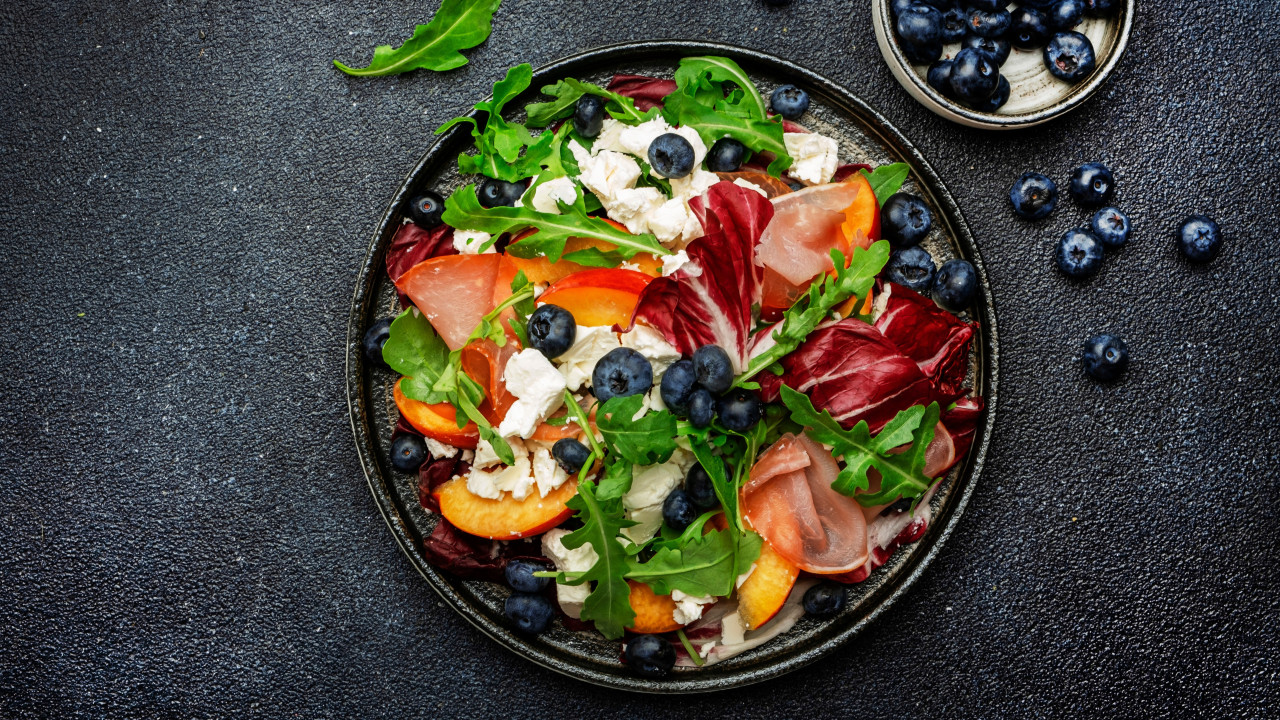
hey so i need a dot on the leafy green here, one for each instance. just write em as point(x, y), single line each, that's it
point(648, 440)
point(616, 481)
point(702, 72)
point(704, 565)
point(609, 604)
point(887, 179)
point(801, 318)
point(724, 485)
point(565, 94)
point(901, 474)
point(523, 308)
point(414, 350)
point(457, 25)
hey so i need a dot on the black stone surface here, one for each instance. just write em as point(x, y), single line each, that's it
point(189, 187)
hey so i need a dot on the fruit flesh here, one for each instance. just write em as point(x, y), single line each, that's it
point(505, 518)
point(438, 422)
point(766, 589)
point(654, 613)
point(604, 297)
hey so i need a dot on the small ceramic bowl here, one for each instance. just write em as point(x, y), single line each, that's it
point(1037, 96)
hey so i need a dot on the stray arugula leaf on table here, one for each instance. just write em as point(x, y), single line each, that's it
point(457, 25)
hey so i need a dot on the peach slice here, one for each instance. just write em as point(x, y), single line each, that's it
point(654, 613)
point(438, 422)
point(505, 518)
point(603, 297)
point(766, 588)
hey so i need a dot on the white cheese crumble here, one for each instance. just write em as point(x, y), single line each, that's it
point(539, 390)
point(813, 157)
point(675, 261)
point(650, 485)
point(750, 186)
point(732, 630)
point(492, 479)
point(469, 242)
point(578, 560)
point(547, 473)
point(688, 607)
point(439, 449)
point(589, 345)
point(636, 140)
point(546, 195)
point(653, 346)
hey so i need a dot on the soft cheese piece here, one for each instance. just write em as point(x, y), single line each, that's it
point(539, 390)
point(589, 345)
point(577, 560)
point(546, 195)
point(469, 242)
point(688, 607)
point(814, 157)
point(655, 348)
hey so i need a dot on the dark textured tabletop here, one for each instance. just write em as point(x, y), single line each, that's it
point(189, 187)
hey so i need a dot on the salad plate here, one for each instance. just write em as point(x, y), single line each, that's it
point(863, 137)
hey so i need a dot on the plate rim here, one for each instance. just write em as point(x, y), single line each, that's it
point(871, 122)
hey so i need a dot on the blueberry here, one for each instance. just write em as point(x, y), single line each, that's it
point(789, 101)
point(499, 193)
point(700, 489)
point(712, 368)
point(588, 115)
point(955, 25)
point(922, 54)
point(1065, 14)
point(995, 49)
point(1111, 226)
point(739, 410)
point(1079, 254)
point(650, 656)
point(987, 4)
point(974, 76)
point(678, 511)
point(939, 77)
point(1105, 357)
point(1199, 238)
point(1092, 183)
point(989, 23)
point(1029, 28)
point(825, 600)
point(1098, 8)
point(671, 156)
point(570, 454)
point(426, 209)
point(677, 382)
point(1069, 56)
point(920, 25)
point(997, 99)
point(408, 452)
point(897, 6)
point(904, 219)
point(725, 155)
point(955, 286)
point(621, 372)
point(552, 330)
point(911, 267)
point(1034, 196)
point(374, 338)
point(520, 576)
point(531, 613)
point(702, 408)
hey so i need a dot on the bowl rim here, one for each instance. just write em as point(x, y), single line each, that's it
point(362, 307)
point(918, 87)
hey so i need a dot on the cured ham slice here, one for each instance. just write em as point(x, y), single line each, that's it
point(454, 292)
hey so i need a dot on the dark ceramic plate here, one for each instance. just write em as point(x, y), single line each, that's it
point(864, 136)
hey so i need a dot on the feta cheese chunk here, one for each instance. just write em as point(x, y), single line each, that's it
point(539, 390)
point(439, 449)
point(589, 345)
point(636, 140)
point(578, 560)
point(677, 261)
point(610, 136)
point(547, 473)
point(732, 630)
point(653, 346)
point(546, 195)
point(688, 607)
point(750, 186)
point(493, 480)
point(814, 157)
point(469, 242)
point(650, 485)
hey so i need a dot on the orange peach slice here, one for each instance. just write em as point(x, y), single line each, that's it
point(654, 613)
point(766, 588)
point(603, 297)
point(438, 422)
point(505, 518)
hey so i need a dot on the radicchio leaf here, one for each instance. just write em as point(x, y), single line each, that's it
point(709, 300)
point(646, 91)
point(411, 245)
point(937, 340)
point(474, 558)
point(961, 421)
point(848, 170)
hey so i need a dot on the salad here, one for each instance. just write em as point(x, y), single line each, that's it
point(657, 374)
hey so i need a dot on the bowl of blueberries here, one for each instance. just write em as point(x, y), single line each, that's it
point(1001, 64)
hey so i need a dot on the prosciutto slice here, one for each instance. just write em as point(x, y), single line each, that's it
point(411, 245)
point(709, 299)
point(935, 339)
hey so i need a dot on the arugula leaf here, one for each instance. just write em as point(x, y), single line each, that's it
point(694, 71)
point(616, 481)
point(725, 487)
point(705, 565)
point(520, 286)
point(649, 440)
point(419, 354)
point(609, 604)
point(463, 210)
point(901, 474)
point(683, 108)
point(887, 179)
point(565, 94)
point(457, 25)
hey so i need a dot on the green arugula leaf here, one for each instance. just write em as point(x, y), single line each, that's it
point(419, 354)
point(683, 108)
point(649, 440)
point(565, 93)
point(520, 286)
point(901, 474)
point(609, 604)
point(705, 565)
point(887, 180)
point(616, 481)
point(695, 72)
point(724, 485)
point(457, 25)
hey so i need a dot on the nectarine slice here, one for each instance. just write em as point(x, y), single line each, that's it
point(654, 613)
point(505, 518)
point(603, 297)
point(766, 588)
point(438, 422)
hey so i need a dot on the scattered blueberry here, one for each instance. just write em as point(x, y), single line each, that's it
point(739, 410)
point(699, 488)
point(1105, 357)
point(996, 49)
point(713, 368)
point(920, 25)
point(825, 600)
point(702, 408)
point(588, 115)
point(620, 373)
point(1029, 28)
point(939, 77)
point(955, 286)
point(955, 25)
point(725, 155)
point(904, 219)
point(974, 76)
point(989, 23)
point(1199, 238)
point(789, 101)
point(552, 330)
point(678, 511)
point(499, 193)
point(570, 454)
point(1079, 254)
point(426, 209)
point(1069, 56)
point(911, 267)
point(1092, 183)
point(671, 156)
point(1065, 14)
point(374, 338)
point(650, 656)
point(1034, 196)
point(531, 613)
point(520, 576)
point(997, 99)
point(408, 452)
point(1111, 226)
point(677, 382)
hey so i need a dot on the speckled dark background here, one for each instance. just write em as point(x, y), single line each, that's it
point(189, 187)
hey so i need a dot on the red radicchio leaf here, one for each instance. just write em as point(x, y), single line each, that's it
point(647, 92)
point(709, 300)
point(848, 170)
point(849, 369)
point(962, 422)
point(475, 558)
point(412, 245)
point(435, 472)
point(937, 340)
point(791, 127)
